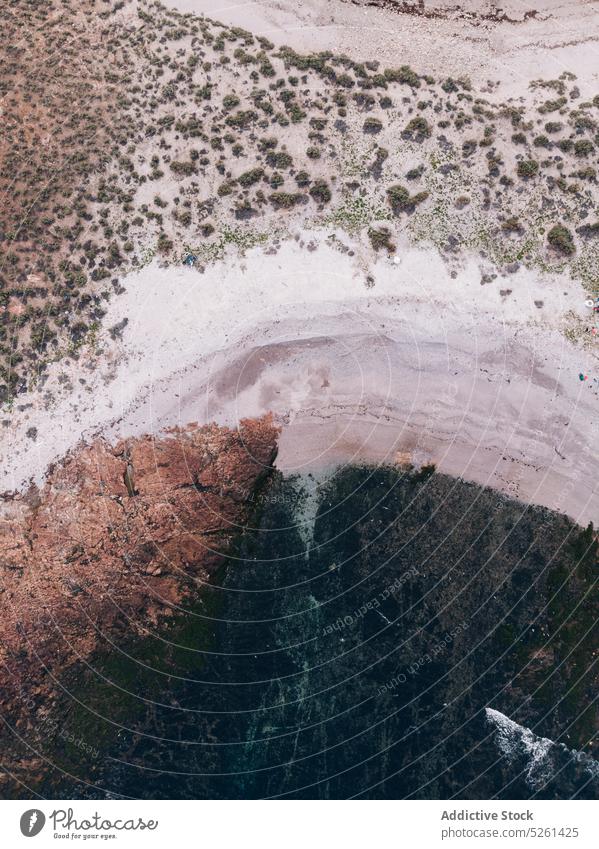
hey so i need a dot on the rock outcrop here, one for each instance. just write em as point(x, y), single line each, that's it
point(114, 540)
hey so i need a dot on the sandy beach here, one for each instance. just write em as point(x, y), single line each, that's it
point(513, 47)
point(299, 393)
point(414, 367)
point(416, 357)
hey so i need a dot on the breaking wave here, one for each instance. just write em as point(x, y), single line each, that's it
point(541, 756)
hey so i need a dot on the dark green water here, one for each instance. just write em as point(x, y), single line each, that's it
point(355, 654)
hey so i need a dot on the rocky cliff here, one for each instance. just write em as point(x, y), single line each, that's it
point(113, 542)
point(385, 635)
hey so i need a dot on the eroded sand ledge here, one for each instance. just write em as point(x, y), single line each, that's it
point(416, 366)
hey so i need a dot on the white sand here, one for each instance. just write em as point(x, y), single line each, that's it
point(564, 36)
point(420, 366)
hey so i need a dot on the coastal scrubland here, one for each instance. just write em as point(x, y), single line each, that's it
point(132, 131)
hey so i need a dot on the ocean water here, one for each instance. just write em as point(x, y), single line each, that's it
point(382, 634)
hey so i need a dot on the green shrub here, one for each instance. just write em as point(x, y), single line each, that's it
point(561, 240)
point(320, 191)
point(583, 147)
point(552, 105)
point(527, 168)
point(279, 159)
point(296, 113)
point(449, 85)
point(417, 129)
point(225, 189)
point(400, 199)
point(185, 169)
point(565, 145)
point(266, 69)
point(402, 75)
point(511, 225)
point(164, 244)
point(372, 126)
point(230, 101)
point(242, 119)
point(587, 173)
point(302, 178)
point(248, 178)
point(285, 200)
point(415, 173)
point(380, 237)
point(267, 143)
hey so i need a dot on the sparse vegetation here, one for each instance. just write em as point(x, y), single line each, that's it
point(248, 178)
point(224, 126)
point(527, 168)
point(561, 240)
point(380, 238)
point(583, 147)
point(401, 200)
point(372, 126)
point(512, 225)
point(286, 200)
point(320, 191)
point(418, 129)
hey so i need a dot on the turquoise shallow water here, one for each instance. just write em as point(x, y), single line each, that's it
point(351, 647)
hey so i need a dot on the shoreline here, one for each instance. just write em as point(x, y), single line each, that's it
point(418, 368)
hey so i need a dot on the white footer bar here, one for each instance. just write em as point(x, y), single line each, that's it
point(301, 824)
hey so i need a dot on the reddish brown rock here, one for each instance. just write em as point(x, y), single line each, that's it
point(82, 557)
